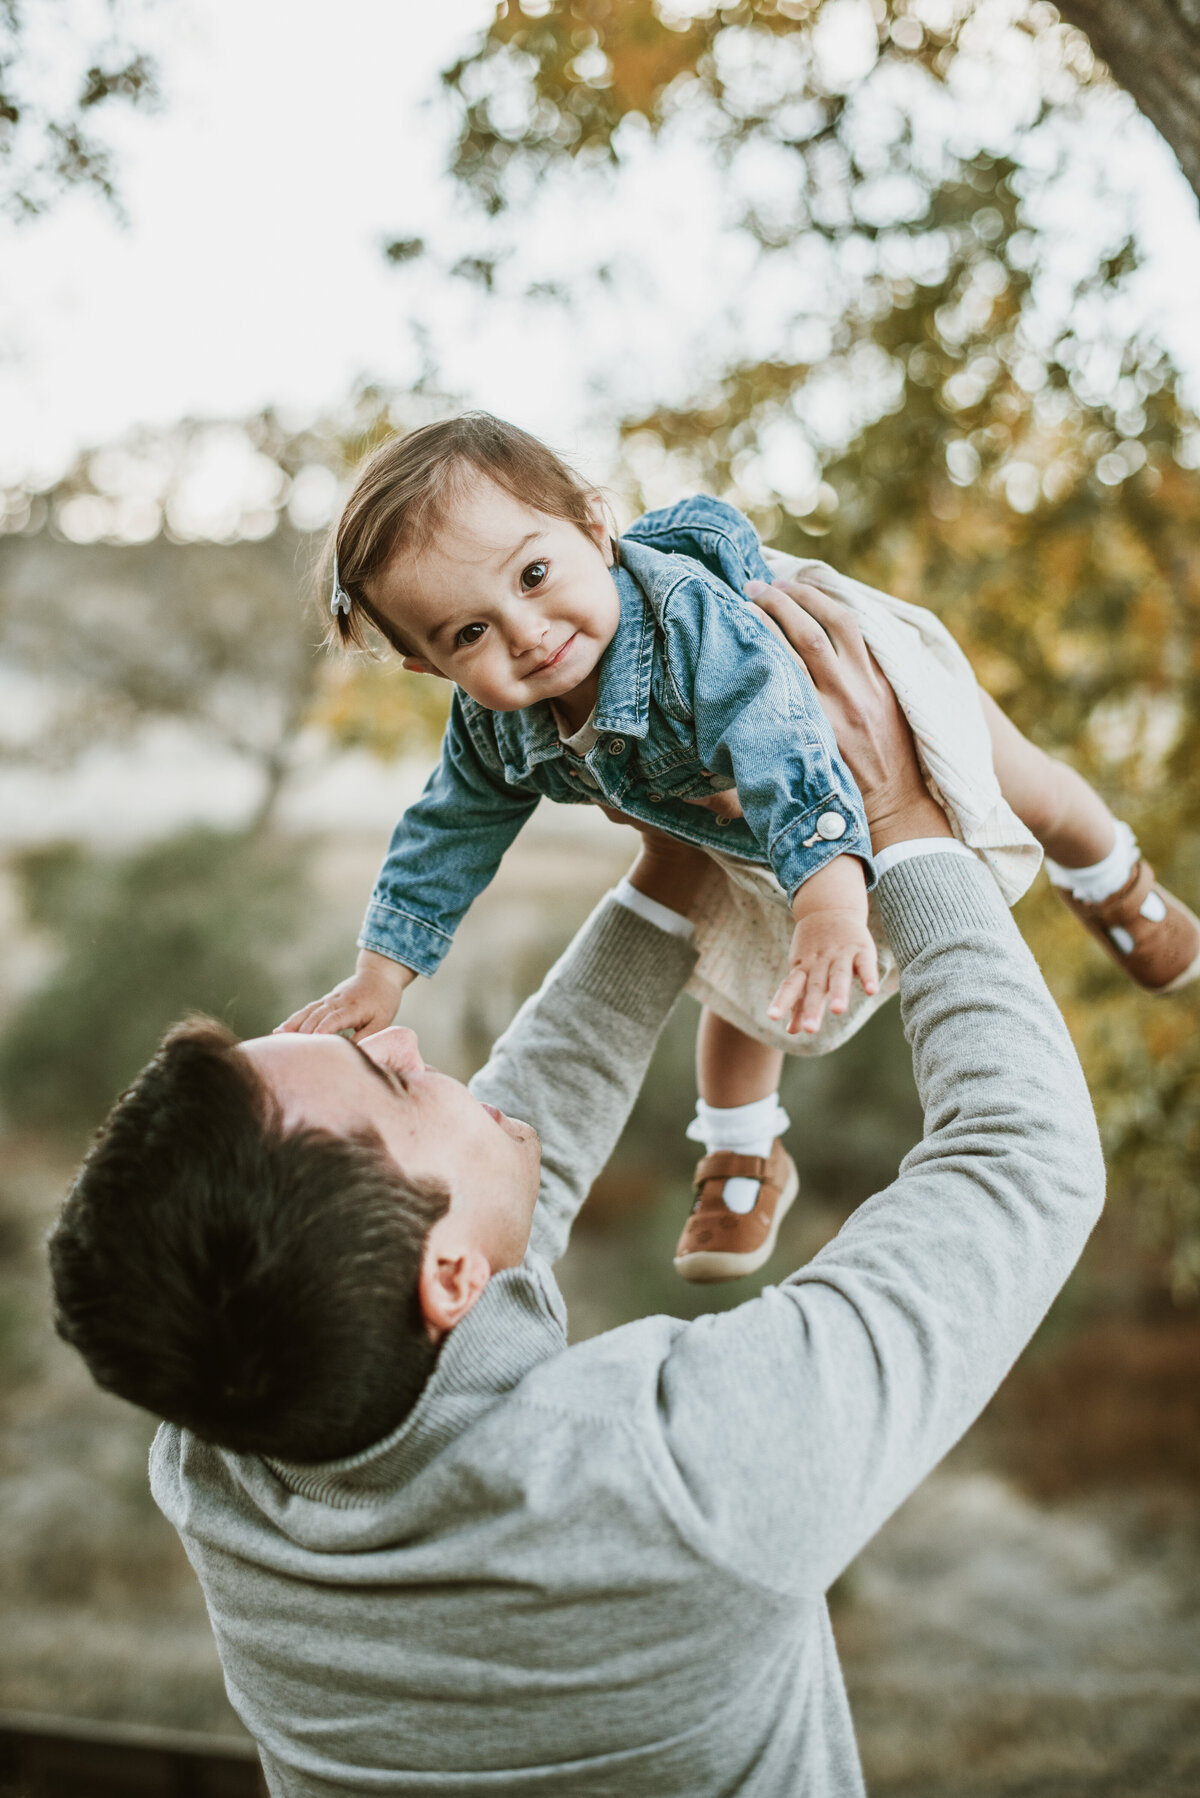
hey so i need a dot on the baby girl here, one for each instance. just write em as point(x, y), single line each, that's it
point(633, 674)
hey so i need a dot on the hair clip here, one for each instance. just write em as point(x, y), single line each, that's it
point(339, 599)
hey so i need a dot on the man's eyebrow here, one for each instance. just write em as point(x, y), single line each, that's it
point(390, 1080)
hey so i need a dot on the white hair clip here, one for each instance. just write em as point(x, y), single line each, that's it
point(339, 599)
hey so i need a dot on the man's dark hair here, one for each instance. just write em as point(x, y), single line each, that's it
point(256, 1286)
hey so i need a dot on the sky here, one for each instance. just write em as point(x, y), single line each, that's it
point(296, 138)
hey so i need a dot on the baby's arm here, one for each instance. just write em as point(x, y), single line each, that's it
point(830, 945)
point(443, 852)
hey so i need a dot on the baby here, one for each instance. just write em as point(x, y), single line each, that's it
point(634, 675)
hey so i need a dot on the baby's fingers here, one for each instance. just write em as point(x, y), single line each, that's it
point(866, 966)
point(298, 1018)
point(841, 976)
point(816, 997)
point(786, 1002)
point(338, 1016)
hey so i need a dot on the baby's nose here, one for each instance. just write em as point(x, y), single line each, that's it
point(525, 634)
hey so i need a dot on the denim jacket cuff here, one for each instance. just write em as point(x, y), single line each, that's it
point(401, 937)
point(802, 850)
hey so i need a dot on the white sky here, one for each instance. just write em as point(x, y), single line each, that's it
point(295, 138)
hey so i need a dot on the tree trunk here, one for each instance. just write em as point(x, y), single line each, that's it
point(1153, 50)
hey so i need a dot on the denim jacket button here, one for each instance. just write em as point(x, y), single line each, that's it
point(617, 746)
point(831, 826)
point(722, 822)
point(655, 798)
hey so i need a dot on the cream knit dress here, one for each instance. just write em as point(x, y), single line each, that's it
point(743, 922)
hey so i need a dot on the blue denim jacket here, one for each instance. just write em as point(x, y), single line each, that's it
point(696, 696)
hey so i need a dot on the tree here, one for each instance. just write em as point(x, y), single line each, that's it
point(1019, 463)
point(170, 577)
point(1152, 48)
point(49, 143)
point(555, 79)
point(1053, 521)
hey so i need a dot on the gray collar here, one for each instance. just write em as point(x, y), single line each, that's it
point(518, 1321)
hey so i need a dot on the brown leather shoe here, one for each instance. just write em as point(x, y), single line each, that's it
point(1146, 930)
point(720, 1244)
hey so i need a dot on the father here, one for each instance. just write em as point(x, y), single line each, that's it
point(444, 1553)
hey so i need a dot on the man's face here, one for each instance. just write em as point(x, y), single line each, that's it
point(511, 604)
point(428, 1123)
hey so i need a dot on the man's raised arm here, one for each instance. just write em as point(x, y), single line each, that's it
point(799, 1422)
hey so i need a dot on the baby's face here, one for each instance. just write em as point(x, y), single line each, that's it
point(511, 604)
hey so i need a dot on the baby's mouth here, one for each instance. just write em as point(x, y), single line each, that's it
point(552, 661)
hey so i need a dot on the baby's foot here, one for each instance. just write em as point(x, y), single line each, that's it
point(1146, 930)
point(720, 1244)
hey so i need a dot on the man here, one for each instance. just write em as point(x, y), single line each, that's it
point(444, 1553)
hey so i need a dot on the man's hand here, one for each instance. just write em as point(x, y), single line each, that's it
point(871, 730)
point(358, 1006)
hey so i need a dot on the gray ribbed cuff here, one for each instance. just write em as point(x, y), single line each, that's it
point(623, 962)
point(931, 900)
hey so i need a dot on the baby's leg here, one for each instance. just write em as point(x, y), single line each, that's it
point(1093, 859)
point(1069, 820)
point(733, 1069)
point(737, 1113)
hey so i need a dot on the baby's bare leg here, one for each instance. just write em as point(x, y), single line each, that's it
point(731, 1067)
point(1069, 819)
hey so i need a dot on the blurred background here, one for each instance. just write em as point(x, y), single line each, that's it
point(913, 282)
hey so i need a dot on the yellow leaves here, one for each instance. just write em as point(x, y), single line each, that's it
point(643, 56)
point(375, 705)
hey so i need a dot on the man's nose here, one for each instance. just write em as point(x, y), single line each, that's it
point(395, 1048)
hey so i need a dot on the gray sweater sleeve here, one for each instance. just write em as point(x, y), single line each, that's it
point(796, 1424)
point(573, 1059)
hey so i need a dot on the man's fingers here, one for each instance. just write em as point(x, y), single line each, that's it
point(802, 633)
point(836, 621)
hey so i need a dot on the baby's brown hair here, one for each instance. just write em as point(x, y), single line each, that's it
point(404, 489)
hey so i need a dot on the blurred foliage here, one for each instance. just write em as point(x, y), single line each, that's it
point(177, 576)
point(49, 143)
point(204, 921)
point(112, 638)
point(375, 705)
point(550, 81)
point(976, 428)
point(1049, 511)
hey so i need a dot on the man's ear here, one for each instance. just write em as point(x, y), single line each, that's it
point(448, 1285)
point(418, 665)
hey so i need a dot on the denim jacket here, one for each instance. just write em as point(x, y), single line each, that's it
point(696, 696)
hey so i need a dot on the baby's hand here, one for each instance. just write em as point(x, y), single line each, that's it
point(829, 948)
point(366, 1002)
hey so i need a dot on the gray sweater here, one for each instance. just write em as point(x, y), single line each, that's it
point(602, 1569)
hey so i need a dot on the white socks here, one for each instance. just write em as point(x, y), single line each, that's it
point(1104, 878)
point(742, 1130)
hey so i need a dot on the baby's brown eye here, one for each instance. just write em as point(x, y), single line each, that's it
point(470, 633)
point(533, 576)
